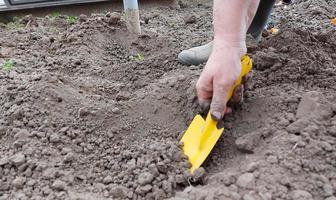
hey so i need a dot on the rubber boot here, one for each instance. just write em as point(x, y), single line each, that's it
point(195, 55)
point(200, 54)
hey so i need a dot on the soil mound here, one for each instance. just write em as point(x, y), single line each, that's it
point(91, 112)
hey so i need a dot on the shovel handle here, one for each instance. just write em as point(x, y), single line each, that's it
point(246, 63)
point(211, 124)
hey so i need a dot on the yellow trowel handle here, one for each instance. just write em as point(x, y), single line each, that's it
point(246, 62)
point(211, 124)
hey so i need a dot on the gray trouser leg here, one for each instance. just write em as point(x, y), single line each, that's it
point(260, 19)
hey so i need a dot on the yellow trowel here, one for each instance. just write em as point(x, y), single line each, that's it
point(202, 135)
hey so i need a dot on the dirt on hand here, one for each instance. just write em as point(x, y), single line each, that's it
point(91, 112)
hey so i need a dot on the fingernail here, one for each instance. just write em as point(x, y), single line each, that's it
point(205, 106)
point(216, 115)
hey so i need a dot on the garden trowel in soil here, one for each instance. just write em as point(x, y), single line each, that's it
point(202, 135)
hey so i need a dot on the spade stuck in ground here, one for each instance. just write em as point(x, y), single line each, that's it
point(203, 134)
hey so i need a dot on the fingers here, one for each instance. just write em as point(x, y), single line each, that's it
point(204, 90)
point(214, 100)
point(238, 94)
point(214, 84)
point(204, 105)
point(204, 93)
point(228, 110)
point(247, 79)
point(218, 103)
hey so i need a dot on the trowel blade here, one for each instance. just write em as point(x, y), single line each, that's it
point(199, 140)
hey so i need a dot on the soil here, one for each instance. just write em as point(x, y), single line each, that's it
point(89, 111)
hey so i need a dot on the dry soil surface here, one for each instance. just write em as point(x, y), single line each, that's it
point(91, 112)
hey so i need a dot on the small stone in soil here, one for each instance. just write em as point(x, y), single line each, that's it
point(301, 195)
point(83, 112)
point(114, 18)
point(251, 167)
point(333, 108)
point(247, 143)
point(31, 183)
point(246, 181)
point(54, 138)
point(180, 179)
point(116, 110)
point(40, 134)
point(108, 179)
point(142, 190)
point(297, 126)
point(153, 170)
point(162, 167)
point(199, 174)
point(69, 157)
point(308, 105)
point(118, 191)
point(325, 146)
point(190, 19)
point(4, 161)
point(332, 131)
point(18, 159)
point(83, 18)
point(272, 159)
point(58, 185)
point(145, 178)
point(328, 189)
point(3, 130)
point(22, 134)
point(226, 178)
point(18, 182)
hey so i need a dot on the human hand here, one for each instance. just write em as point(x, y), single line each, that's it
point(218, 77)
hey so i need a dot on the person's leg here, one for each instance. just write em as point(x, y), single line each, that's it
point(200, 54)
point(260, 19)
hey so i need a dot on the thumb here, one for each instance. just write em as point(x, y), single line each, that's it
point(218, 103)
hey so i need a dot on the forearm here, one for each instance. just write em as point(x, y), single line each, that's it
point(231, 21)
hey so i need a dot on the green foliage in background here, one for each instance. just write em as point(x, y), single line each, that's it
point(72, 19)
point(8, 65)
point(139, 57)
point(14, 24)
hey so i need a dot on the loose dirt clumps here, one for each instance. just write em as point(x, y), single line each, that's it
point(84, 114)
point(295, 161)
point(280, 145)
point(89, 111)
